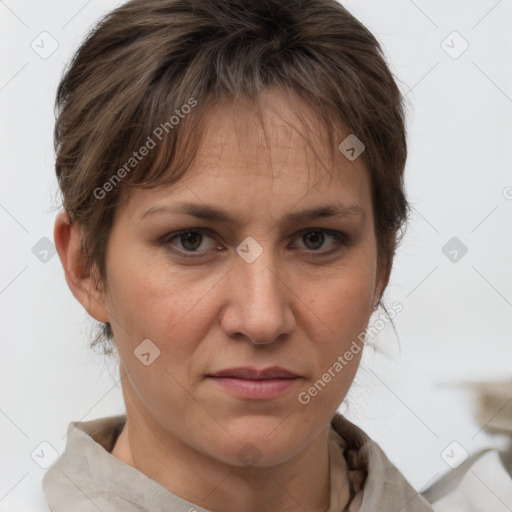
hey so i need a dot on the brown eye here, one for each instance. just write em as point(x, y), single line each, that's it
point(314, 239)
point(194, 242)
point(191, 240)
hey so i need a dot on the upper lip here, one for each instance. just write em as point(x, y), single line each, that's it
point(273, 372)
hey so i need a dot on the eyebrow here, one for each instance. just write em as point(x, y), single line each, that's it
point(206, 212)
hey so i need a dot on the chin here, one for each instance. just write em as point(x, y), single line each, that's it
point(261, 444)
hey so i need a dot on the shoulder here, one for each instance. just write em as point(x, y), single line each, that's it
point(481, 484)
point(385, 488)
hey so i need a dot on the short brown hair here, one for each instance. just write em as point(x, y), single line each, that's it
point(147, 59)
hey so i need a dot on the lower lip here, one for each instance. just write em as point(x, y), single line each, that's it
point(262, 389)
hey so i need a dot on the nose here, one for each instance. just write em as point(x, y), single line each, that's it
point(259, 302)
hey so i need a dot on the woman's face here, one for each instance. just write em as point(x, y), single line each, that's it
point(260, 289)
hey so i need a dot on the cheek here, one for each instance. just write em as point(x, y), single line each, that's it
point(342, 304)
point(156, 302)
point(153, 297)
point(174, 308)
point(341, 310)
point(343, 300)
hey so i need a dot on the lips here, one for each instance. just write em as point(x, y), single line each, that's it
point(253, 384)
point(247, 373)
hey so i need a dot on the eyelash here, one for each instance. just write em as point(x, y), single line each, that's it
point(341, 240)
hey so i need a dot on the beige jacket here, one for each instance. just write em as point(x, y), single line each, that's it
point(87, 478)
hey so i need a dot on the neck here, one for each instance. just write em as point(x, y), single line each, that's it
point(301, 483)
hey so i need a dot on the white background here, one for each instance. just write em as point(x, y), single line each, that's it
point(456, 324)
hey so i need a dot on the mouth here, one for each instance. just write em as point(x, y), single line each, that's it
point(250, 383)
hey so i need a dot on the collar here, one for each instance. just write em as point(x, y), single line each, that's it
point(87, 477)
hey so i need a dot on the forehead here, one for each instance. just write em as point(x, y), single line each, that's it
point(279, 132)
point(268, 162)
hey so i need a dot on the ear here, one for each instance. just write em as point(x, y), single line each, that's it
point(81, 280)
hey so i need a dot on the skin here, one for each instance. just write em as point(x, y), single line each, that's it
point(215, 312)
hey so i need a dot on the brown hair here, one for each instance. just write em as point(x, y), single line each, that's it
point(153, 64)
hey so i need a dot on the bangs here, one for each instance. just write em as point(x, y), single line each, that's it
point(163, 146)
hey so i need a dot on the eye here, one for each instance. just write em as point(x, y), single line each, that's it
point(189, 242)
point(314, 239)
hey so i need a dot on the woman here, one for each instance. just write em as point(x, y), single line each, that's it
point(232, 182)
